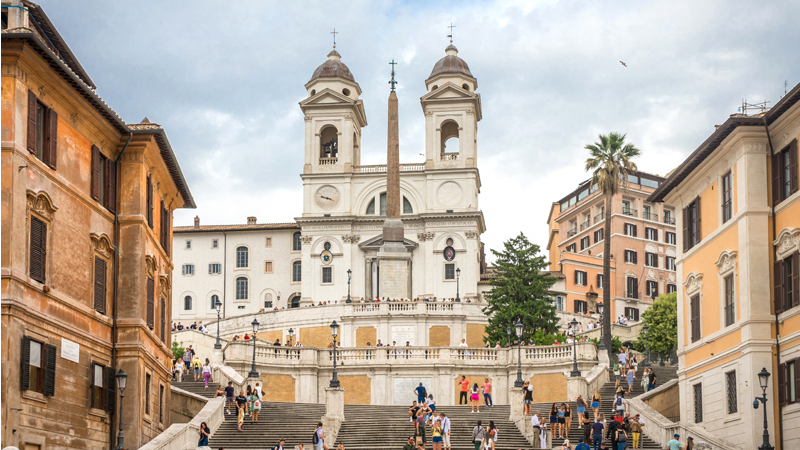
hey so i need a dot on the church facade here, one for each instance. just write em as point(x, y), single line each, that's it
point(332, 248)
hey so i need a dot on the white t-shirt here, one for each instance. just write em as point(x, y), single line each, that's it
point(463, 344)
point(206, 368)
point(619, 403)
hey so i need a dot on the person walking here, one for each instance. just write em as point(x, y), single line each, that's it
point(248, 394)
point(586, 425)
point(241, 406)
point(487, 392)
point(674, 443)
point(581, 405)
point(206, 372)
point(255, 406)
point(445, 430)
point(205, 432)
point(431, 403)
point(179, 368)
point(318, 439)
point(436, 435)
point(197, 366)
point(478, 433)
point(474, 397)
point(537, 426)
point(527, 399)
point(566, 445)
point(464, 390)
point(419, 428)
point(616, 376)
point(229, 391)
point(630, 377)
point(597, 402)
point(543, 436)
point(582, 445)
point(489, 437)
point(645, 379)
point(259, 391)
point(622, 438)
point(620, 403)
point(652, 382)
point(598, 429)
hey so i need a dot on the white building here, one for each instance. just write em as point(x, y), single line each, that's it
point(333, 245)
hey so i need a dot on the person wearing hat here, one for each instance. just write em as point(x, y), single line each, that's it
point(675, 444)
point(581, 445)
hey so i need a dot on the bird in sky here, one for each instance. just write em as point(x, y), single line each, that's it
point(623, 64)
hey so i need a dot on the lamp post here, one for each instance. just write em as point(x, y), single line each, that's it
point(575, 372)
point(600, 308)
point(763, 378)
point(122, 380)
point(458, 278)
point(218, 307)
point(291, 335)
point(518, 328)
point(509, 332)
point(334, 332)
point(253, 373)
point(349, 273)
point(646, 362)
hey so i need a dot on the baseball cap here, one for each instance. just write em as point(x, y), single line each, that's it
point(676, 435)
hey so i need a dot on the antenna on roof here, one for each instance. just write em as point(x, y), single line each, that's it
point(451, 32)
point(760, 106)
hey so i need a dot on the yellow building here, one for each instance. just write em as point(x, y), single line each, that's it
point(738, 215)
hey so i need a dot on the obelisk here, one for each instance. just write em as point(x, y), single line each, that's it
point(394, 259)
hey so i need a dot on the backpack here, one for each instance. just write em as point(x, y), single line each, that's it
point(315, 439)
point(424, 392)
point(616, 367)
point(618, 401)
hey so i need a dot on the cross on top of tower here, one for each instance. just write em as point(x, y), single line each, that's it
point(334, 33)
point(451, 32)
point(393, 81)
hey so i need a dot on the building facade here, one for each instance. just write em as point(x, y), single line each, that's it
point(642, 237)
point(331, 249)
point(738, 206)
point(86, 267)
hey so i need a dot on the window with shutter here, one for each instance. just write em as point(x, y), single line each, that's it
point(98, 387)
point(25, 363)
point(151, 287)
point(49, 383)
point(99, 285)
point(52, 139)
point(163, 320)
point(111, 177)
point(38, 249)
point(778, 286)
point(161, 403)
point(600, 281)
point(110, 391)
point(147, 382)
point(96, 162)
point(782, 384)
point(33, 105)
point(149, 201)
point(695, 317)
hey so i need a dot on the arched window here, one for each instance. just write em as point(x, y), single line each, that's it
point(296, 245)
point(297, 271)
point(214, 300)
point(294, 301)
point(383, 204)
point(187, 303)
point(268, 300)
point(407, 209)
point(241, 256)
point(329, 142)
point(371, 207)
point(241, 288)
point(450, 140)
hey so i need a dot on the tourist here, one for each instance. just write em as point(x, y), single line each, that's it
point(431, 403)
point(554, 420)
point(187, 360)
point(206, 372)
point(379, 344)
point(436, 435)
point(229, 391)
point(622, 438)
point(634, 363)
point(258, 390)
point(487, 392)
point(586, 425)
point(582, 445)
point(581, 405)
point(319, 438)
point(631, 376)
point(412, 411)
point(527, 398)
point(623, 358)
point(636, 425)
point(474, 397)
point(419, 428)
point(674, 443)
point(248, 393)
point(422, 394)
point(537, 426)
point(241, 406)
point(620, 404)
point(562, 420)
point(179, 370)
point(255, 405)
point(446, 430)
point(491, 436)
point(611, 430)
point(197, 365)
point(478, 433)
point(652, 382)
point(220, 392)
point(280, 445)
point(543, 436)
point(566, 445)
point(205, 432)
point(598, 430)
point(410, 444)
point(464, 389)
point(567, 417)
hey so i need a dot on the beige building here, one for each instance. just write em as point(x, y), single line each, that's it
point(86, 267)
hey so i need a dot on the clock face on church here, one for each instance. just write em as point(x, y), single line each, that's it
point(327, 198)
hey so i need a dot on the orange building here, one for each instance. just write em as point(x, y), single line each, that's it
point(86, 267)
point(642, 246)
point(738, 264)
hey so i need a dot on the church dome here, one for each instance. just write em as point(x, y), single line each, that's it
point(451, 63)
point(332, 68)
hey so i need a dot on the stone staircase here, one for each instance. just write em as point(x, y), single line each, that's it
point(196, 387)
point(388, 427)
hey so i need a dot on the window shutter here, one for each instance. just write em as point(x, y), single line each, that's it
point(52, 139)
point(38, 246)
point(686, 229)
point(95, 172)
point(25, 368)
point(99, 285)
point(111, 179)
point(778, 284)
point(150, 303)
point(795, 280)
point(111, 389)
point(699, 236)
point(634, 230)
point(32, 122)
point(635, 287)
point(107, 183)
point(635, 256)
point(163, 319)
point(776, 178)
point(576, 277)
point(793, 162)
point(150, 201)
point(50, 370)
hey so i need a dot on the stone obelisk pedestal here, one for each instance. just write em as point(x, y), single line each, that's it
point(394, 259)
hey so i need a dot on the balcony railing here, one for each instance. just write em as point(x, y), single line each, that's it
point(633, 294)
point(629, 212)
point(669, 220)
point(328, 161)
point(449, 156)
point(650, 216)
point(585, 225)
point(599, 217)
point(572, 232)
point(381, 168)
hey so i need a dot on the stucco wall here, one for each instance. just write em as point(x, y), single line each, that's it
point(319, 337)
point(475, 334)
point(364, 335)
point(549, 387)
point(439, 336)
point(356, 389)
point(278, 388)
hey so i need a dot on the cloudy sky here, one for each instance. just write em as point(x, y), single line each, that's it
point(225, 78)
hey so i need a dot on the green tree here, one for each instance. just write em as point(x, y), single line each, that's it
point(662, 325)
point(177, 349)
point(519, 292)
point(610, 163)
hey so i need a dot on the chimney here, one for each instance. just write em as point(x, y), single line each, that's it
point(251, 220)
point(196, 222)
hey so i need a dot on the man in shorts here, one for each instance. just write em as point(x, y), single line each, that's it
point(229, 391)
point(320, 437)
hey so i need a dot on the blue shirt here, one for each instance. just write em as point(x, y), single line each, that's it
point(582, 446)
point(419, 390)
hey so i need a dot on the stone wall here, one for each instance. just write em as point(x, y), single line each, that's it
point(278, 388)
point(319, 337)
point(549, 387)
point(475, 334)
point(366, 335)
point(184, 405)
point(439, 336)
point(666, 402)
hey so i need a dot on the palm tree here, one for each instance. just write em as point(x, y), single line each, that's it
point(610, 163)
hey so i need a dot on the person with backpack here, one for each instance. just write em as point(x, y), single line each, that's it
point(280, 445)
point(620, 404)
point(616, 376)
point(478, 433)
point(197, 365)
point(421, 394)
point(318, 439)
point(419, 428)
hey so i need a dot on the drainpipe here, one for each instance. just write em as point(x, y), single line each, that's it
point(224, 276)
point(777, 324)
point(116, 273)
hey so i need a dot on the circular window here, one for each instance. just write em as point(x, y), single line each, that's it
point(449, 242)
point(346, 92)
point(434, 87)
point(313, 92)
point(327, 246)
point(465, 86)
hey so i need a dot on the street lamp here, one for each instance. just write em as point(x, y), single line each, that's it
point(602, 345)
point(335, 332)
point(646, 362)
point(291, 335)
point(218, 307)
point(122, 380)
point(575, 372)
point(349, 273)
point(518, 329)
point(458, 277)
point(253, 373)
point(763, 378)
point(509, 332)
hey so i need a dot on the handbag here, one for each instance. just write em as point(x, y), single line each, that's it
point(419, 440)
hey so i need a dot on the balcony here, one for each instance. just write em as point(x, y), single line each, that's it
point(328, 161)
point(450, 156)
point(585, 225)
point(599, 217)
point(629, 212)
point(669, 220)
point(650, 216)
point(633, 294)
point(572, 232)
point(381, 168)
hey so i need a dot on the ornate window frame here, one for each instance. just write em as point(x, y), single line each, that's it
point(693, 285)
point(39, 205)
point(787, 243)
point(726, 264)
point(102, 247)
